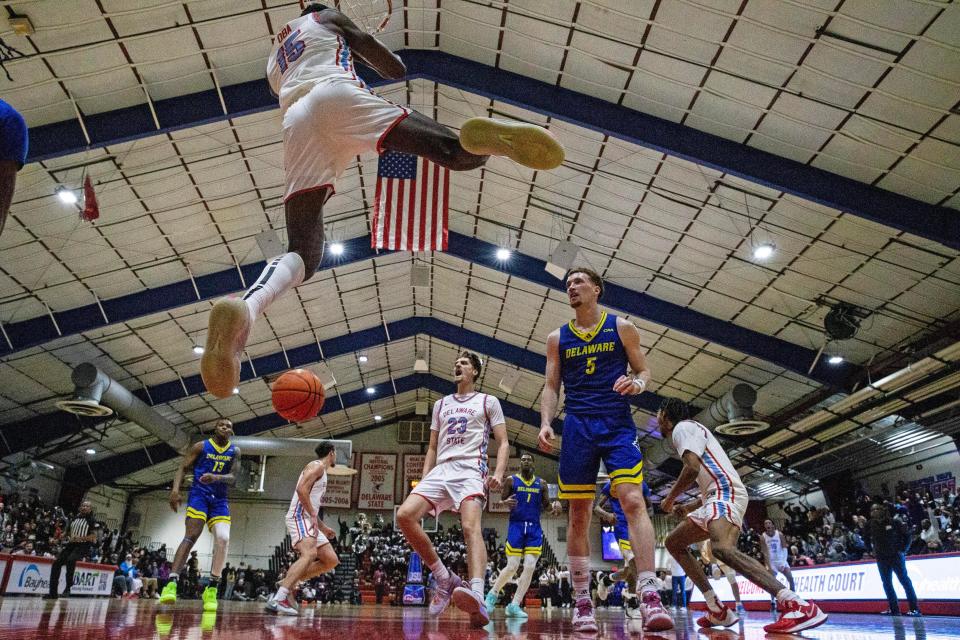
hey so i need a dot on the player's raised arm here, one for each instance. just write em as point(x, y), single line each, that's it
point(375, 53)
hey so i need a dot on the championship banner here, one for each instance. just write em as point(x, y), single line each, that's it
point(378, 476)
point(339, 493)
point(31, 574)
point(494, 504)
point(412, 468)
point(934, 577)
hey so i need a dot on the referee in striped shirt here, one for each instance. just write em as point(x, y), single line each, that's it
point(81, 534)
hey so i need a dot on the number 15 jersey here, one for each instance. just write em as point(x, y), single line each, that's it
point(590, 363)
point(463, 425)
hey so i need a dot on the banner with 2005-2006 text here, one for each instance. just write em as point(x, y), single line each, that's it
point(378, 477)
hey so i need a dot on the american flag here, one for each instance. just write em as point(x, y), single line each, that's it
point(410, 209)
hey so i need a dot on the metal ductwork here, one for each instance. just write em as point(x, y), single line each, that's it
point(293, 447)
point(97, 395)
point(732, 413)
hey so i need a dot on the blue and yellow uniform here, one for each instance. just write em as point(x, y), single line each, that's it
point(620, 528)
point(14, 139)
point(208, 502)
point(598, 424)
point(524, 534)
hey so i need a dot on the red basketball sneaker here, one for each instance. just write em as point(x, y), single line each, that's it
point(795, 617)
point(726, 617)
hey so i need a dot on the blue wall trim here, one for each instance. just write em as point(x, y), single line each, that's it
point(885, 207)
point(40, 330)
point(25, 434)
point(785, 354)
point(118, 466)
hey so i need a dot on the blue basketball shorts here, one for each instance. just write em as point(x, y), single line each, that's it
point(524, 538)
point(589, 439)
point(205, 506)
point(622, 533)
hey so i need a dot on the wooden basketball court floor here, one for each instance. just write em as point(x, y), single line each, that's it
point(76, 618)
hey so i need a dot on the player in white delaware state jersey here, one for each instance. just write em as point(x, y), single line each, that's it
point(329, 118)
point(308, 534)
point(455, 478)
point(718, 516)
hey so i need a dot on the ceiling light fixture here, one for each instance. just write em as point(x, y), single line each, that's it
point(503, 254)
point(66, 196)
point(764, 251)
point(236, 390)
point(371, 391)
point(362, 358)
point(378, 418)
point(91, 452)
point(337, 248)
point(197, 349)
point(835, 359)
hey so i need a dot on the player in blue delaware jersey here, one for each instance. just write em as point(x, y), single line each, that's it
point(212, 461)
point(608, 509)
point(590, 356)
point(526, 495)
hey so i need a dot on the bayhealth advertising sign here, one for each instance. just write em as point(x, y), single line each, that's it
point(32, 575)
point(934, 578)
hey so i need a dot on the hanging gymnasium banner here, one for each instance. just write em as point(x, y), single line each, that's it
point(339, 494)
point(378, 477)
point(494, 505)
point(935, 578)
point(31, 575)
point(412, 468)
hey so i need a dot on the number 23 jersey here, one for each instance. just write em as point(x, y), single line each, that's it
point(463, 424)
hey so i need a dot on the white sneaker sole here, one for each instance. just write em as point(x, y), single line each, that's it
point(220, 365)
point(816, 621)
point(471, 604)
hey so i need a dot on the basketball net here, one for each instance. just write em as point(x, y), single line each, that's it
point(370, 15)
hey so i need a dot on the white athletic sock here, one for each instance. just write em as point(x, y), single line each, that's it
point(646, 581)
point(476, 585)
point(503, 578)
point(580, 576)
point(440, 573)
point(713, 602)
point(526, 577)
point(786, 594)
point(281, 274)
point(282, 593)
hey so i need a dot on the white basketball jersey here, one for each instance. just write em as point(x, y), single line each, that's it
point(774, 547)
point(306, 53)
point(718, 480)
point(316, 496)
point(464, 426)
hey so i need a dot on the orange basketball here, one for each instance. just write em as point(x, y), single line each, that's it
point(297, 395)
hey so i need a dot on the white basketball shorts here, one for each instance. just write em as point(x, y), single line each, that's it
point(299, 527)
point(325, 130)
point(448, 484)
point(731, 511)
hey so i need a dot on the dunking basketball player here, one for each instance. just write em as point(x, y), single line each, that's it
point(718, 516)
point(526, 495)
point(309, 536)
point(590, 356)
point(13, 153)
point(329, 117)
point(455, 477)
point(212, 462)
point(608, 509)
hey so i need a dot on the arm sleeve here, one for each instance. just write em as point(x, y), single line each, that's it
point(689, 436)
point(494, 411)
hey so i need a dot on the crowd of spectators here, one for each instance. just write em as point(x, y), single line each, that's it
point(815, 535)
